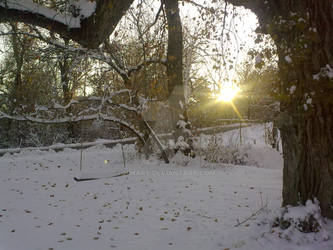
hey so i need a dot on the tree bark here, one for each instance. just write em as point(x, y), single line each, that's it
point(68, 94)
point(19, 51)
point(302, 31)
point(20, 45)
point(175, 76)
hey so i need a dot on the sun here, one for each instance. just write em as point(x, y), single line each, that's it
point(227, 93)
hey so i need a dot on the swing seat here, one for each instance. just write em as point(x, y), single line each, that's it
point(89, 176)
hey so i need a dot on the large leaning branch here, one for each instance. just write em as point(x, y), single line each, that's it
point(74, 119)
point(90, 32)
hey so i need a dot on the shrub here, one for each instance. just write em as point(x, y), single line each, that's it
point(231, 152)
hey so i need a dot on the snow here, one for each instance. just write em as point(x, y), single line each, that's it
point(258, 59)
point(60, 146)
point(181, 124)
point(29, 5)
point(158, 205)
point(40, 108)
point(292, 89)
point(301, 19)
point(86, 7)
point(305, 106)
point(181, 143)
point(303, 213)
point(181, 104)
point(313, 29)
point(59, 106)
point(253, 146)
point(288, 59)
point(326, 71)
point(101, 173)
point(309, 100)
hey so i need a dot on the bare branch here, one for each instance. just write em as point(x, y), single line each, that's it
point(211, 10)
point(146, 63)
point(155, 20)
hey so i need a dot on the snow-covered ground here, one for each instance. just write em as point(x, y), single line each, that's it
point(188, 204)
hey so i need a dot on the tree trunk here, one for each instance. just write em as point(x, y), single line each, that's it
point(307, 130)
point(302, 31)
point(308, 158)
point(275, 136)
point(18, 95)
point(179, 119)
point(67, 91)
point(19, 54)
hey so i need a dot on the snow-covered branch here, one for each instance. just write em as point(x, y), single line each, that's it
point(87, 22)
point(79, 118)
point(72, 18)
point(59, 147)
point(59, 106)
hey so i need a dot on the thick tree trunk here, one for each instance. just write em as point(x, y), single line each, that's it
point(179, 119)
point(302, 31)
point(307, 127)
point(308, 158)
point(174, 60)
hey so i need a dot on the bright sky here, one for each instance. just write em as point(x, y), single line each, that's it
point(242, 31)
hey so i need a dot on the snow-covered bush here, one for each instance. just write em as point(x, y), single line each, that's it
point(230, 152)
point(180, 159)
point(131, 153)
point(301, 224)
point(176, 157)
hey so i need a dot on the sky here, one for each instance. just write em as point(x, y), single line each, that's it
point(242, 34)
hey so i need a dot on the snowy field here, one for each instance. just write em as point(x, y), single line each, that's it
point(188, 204)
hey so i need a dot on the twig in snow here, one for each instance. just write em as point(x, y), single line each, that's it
point(251, 216)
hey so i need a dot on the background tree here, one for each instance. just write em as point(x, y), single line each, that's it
point(26, 81)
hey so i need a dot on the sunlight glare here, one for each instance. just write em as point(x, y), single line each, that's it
point(227, 93)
